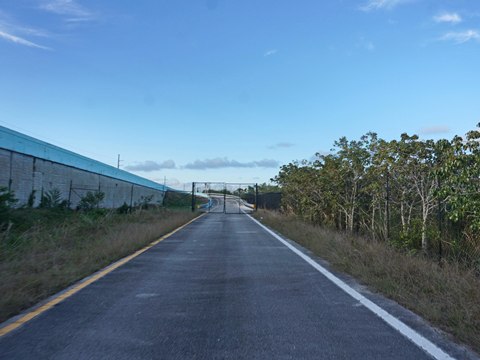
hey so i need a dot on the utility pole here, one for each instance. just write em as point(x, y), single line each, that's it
point(118, 162)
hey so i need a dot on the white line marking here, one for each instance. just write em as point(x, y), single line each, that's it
point(398, 325)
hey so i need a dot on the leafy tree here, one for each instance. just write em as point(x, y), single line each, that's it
point(415, 168)
point(354, 159)
point(460, 175)
point(299, 192)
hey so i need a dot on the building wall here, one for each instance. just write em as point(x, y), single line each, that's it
point(24, 172)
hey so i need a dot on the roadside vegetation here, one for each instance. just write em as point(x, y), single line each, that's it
point(402, 215)
point(45, 249)
point(418, 195)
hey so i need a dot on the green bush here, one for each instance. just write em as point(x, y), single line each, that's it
point(52, 199)
point(7, 201)
point(124, 209)
point(91, 201)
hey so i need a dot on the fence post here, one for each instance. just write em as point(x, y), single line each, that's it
point(224, 198)
point(69, 195)
point(10, 181)
point(99, 182)
point(440, 225)
point(388, 205)
point(193, 196)
point(131, 197)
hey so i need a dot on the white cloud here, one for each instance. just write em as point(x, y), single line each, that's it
point(452, 18)
point(11, 31)
point(382, 4)
point(433, 130)
point(31, 31)
point(270, 52)
point(461, 37)
point(70, 8)
point(19, 40)
point(149, 165)
point(220, 163)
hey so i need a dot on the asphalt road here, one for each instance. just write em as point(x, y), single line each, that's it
point(221, 288)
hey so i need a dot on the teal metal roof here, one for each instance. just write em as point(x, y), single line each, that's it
point(24, 144)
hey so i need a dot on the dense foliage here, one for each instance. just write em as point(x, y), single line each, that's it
point(417, 194)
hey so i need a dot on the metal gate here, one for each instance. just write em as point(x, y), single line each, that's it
point(224, 198)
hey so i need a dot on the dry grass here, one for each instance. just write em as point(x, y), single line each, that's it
point(48, 257)
point(448, 296)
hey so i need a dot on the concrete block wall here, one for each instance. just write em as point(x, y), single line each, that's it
point(26, 173)
point(23, 173)
point(5, 167)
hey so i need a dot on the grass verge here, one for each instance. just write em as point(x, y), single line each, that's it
point(49, 250)
point(448, 295)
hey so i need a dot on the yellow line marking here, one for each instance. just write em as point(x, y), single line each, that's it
point(29, 316)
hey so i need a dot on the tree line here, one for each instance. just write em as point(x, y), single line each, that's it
point(418, 194)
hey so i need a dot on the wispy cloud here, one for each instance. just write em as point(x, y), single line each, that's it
point(220, 163)
point(461, 37)
point(11, 31)
point(372, 5)
point(21, 41)
point(281, 145)
point(70, 8)
point(270, 52)
point(148, 166)
point(70, 11)
point(445, 17)
point(434, 130)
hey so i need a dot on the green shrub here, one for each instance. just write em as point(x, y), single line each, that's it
point(7, 201)
point(52, 199)
point(91, 201)
point(124, 209)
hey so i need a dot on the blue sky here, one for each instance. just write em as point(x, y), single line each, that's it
point(229, 90)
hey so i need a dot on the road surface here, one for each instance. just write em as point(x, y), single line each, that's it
point(221, 288)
